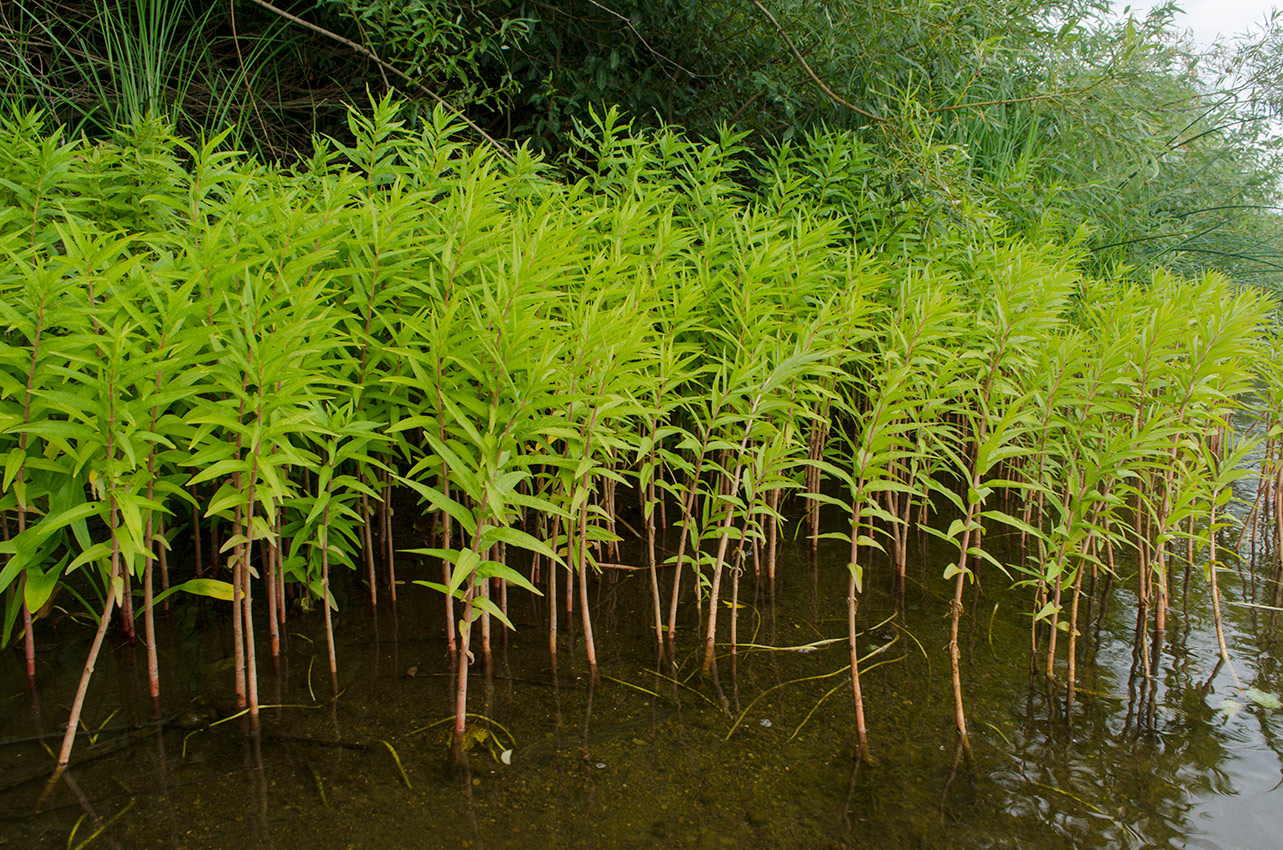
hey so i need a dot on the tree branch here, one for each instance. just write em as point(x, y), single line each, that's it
point(975, 104)
point(800, 58)
point(369, 54)
point(628, 22)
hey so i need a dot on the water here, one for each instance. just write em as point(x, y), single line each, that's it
point(641, 760)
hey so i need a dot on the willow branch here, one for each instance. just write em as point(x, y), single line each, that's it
point(744, 107)
point(975, 104)
point(628, 22)
point(369, 54)
point(240, 59)
point(800, 58)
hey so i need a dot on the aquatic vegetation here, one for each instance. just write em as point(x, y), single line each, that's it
point(238, 373)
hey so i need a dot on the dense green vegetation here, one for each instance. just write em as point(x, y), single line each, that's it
point(244, 364)
point(945, 294)
point(1056, 118)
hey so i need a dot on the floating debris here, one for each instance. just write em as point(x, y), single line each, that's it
point(1263, 699)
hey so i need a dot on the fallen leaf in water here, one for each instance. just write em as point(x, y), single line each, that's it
point(1263, 699)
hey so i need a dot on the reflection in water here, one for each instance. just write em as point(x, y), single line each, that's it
point(1161, 744)
point(163, 781)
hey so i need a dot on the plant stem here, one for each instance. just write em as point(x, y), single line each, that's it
point(78, 703)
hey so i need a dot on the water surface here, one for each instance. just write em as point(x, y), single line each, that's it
point(647, 755)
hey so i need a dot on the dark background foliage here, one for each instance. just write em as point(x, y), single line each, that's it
point(1046, 118)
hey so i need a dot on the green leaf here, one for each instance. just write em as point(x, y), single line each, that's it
point(494, 569)
point(56, 522)
point(1046, 611)
point(441, 502)
point(465, 563)
point(93, 553)
point(40, 585)
point(227, 498)
point(12, 463)
point(1014, 522)
point(213, 588)
point(437, 586)
point(518, 538)
point(483, 604)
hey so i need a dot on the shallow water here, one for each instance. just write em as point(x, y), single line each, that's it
point(648, 755)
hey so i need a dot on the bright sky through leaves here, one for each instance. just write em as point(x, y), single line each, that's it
point(1212, 20)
